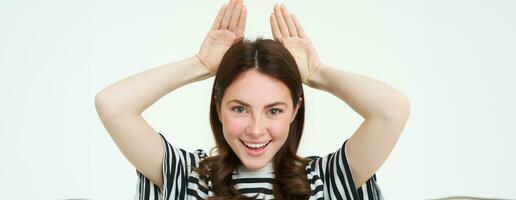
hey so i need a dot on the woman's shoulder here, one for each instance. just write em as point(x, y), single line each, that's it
point(311, 164)
point(201, 153)
point(171, 151)
point(312, 159)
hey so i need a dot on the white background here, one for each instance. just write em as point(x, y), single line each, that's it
point(454, 60)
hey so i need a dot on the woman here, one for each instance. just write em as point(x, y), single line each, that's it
point(256, 115)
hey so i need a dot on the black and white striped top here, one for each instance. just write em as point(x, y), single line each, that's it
point(329, 178)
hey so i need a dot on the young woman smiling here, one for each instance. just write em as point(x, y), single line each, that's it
point(257, 115)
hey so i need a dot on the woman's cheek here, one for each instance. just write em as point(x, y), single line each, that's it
point(234, 126)
point(279, 129)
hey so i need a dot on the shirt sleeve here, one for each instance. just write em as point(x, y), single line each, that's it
point(338, 181)
point(176, 167)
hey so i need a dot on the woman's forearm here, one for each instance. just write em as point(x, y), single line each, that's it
point(137, 92)
point(367, 96)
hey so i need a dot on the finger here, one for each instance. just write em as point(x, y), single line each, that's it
point(218, 19)
point(235, 16)
point(290, 25)
point(276, 34)
point(299, 28)
point(281, 22)
point(241, 22)
point(227, 15)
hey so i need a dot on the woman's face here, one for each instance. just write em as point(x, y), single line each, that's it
point(256, 112)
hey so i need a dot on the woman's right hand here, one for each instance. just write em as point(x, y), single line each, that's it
point(227, 29)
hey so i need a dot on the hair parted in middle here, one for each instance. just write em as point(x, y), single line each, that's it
point(272, 59)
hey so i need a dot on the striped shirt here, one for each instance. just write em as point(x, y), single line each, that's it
point(329, 178)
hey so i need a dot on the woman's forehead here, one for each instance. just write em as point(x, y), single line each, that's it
point(253, 87)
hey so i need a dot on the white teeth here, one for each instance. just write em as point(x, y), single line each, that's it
point(255, 145)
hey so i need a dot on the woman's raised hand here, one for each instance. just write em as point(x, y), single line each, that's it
point(227, 29)
point(287, 30)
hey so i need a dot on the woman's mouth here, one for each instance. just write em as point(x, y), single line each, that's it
point(254, 149)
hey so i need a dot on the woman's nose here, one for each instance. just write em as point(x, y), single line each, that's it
point(256, 126)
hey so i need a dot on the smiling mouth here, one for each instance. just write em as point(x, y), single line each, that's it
point(256, 146)
point(255, 150)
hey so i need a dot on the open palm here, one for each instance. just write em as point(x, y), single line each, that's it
point(227, 29)
point(287, 30)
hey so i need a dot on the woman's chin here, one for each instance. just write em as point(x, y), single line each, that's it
point(254, 164)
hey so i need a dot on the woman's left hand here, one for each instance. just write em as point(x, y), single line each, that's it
point(287, 30)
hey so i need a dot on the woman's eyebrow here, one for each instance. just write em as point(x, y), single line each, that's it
point(267, 106)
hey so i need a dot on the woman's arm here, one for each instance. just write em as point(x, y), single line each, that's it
point(121, 104)
point(384, 108)
point(134, 94)
point(369, 97)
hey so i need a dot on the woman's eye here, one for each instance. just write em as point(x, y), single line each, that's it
point(278, 111)
point(238, 109)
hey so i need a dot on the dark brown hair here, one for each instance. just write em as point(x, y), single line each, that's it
point(271, 58)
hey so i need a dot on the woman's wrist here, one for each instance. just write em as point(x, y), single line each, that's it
point(204, 65)
point(200, 70)
point(315, 79)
